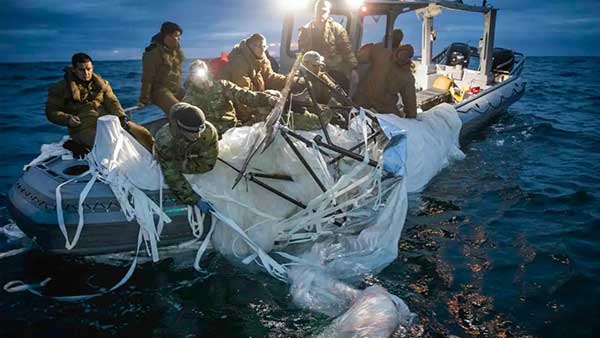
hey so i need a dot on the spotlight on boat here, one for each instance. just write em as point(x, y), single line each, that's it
point(294, 5)
point(200, 73)
point(355, 4)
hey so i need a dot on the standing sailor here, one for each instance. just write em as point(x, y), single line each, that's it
point(390, 74)
point(188, 144)
point(330, 39)
point(79, 99)
point(218, 97)
point(161, 78)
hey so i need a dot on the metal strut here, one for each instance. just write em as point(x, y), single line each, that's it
point(252, 177)
point(284, 133)
point(369, 140)
point(316, 107)
point(343, 151)
point(338, 92)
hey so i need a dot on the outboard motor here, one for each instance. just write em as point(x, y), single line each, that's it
point(503, 60)
point(458, 54)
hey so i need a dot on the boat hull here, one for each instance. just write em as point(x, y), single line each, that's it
point(484, 108)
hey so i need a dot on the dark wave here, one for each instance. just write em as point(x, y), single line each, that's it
point(569, 74)
point(42, 88)
point(14, 77)
point(132, 75)
point(45, 78)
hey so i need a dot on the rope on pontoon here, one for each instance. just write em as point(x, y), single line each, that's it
point(35, 288)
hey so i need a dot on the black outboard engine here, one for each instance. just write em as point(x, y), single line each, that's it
point(458, 54)
point(503, 60)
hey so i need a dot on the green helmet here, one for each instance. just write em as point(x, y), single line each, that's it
point(313, 58)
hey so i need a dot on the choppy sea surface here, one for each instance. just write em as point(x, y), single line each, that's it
point(505, 243)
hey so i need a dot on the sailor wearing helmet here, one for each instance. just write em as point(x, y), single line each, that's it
point(188, 144)
point(218, 98)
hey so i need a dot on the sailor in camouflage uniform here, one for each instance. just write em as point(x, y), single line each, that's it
point(186, 145)
point(217, 98)
point(330, 39)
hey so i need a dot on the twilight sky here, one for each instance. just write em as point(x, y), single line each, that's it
point(52, 30)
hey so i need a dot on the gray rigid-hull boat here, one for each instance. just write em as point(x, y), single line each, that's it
point(32, 200)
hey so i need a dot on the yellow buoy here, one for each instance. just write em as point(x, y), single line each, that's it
point(442, 82)
point(460, 95)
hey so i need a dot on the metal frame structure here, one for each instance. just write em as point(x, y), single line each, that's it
point(392, 9)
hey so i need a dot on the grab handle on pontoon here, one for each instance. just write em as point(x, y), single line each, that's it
point(129, 110)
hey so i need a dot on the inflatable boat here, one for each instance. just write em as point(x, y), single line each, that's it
point(485, 81)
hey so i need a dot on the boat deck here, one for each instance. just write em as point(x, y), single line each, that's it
point(427, 99)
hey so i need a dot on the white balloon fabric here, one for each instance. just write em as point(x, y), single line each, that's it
point(433, 142)
point(251, 221)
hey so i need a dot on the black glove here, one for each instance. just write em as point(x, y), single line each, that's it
point(124, 122)
point(79, 150)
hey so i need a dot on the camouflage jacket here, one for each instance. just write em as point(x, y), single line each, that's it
point(303, 118)
point(322, 92)
point(333, 44)
point(161, 69)
point(177, 156)
point(88, 101)
point(218, 102)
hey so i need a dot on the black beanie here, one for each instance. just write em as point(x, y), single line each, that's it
point(189, 117)
point(397, 36)
point(169, 28)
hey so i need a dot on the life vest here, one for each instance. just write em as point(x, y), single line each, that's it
point(216, 65)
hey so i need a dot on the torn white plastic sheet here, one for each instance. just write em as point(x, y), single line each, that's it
point(49, 150)
point(433, 142)
point(118, 160)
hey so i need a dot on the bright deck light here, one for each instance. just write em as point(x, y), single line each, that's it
point(355, 4)
point(294, 5)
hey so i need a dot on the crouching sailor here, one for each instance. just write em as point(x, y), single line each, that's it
point(186, 145)
point(79, 99)
point(217, 98)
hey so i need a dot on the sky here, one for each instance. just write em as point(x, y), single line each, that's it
point(52, 30)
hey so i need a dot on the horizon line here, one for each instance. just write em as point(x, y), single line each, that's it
point(206, 58)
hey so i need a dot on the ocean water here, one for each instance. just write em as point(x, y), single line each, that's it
point(505, 243)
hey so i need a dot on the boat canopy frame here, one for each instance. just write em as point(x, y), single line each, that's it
point(425, 9)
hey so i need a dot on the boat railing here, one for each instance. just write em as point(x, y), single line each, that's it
point(516, 70)
point(518, 67)
point(440, 57)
